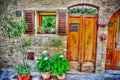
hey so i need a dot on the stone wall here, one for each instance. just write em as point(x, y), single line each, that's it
point(106, 9)
point(11, 57)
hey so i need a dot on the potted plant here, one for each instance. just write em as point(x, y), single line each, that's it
point(23, 71)
point(59, 66)
point(14, 29)
point(44, 66)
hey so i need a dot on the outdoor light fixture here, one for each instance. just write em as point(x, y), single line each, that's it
point(102, 25)
point(102, 37)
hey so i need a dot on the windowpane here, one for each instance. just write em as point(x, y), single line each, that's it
point(74, 27)
point(48, 24)
point(119, 30)
point(119, 24)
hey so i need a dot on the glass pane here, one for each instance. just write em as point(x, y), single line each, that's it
point(119, 63)
point(74, 27)
point(49, 24)
point(118, 42)
point(118, 29)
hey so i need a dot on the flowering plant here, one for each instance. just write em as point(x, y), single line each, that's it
point(59, 64)
point(44, 63)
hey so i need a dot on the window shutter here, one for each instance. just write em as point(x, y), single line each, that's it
point(62, 21)
point(30, 19)
point(40, 20)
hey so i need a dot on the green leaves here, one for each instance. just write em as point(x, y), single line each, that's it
point(56, 42)
point(48, 24)
point(44, 64)
point(59, 64)
point(83, 11)
point(15, 28)
point(23, 69)
point(26, 43)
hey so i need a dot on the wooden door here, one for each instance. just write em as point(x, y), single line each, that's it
point(113, 44)
point(82, 34)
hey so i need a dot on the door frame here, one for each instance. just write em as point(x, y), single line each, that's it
point(81, 53)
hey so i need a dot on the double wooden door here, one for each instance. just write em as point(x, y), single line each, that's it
point(82, 35)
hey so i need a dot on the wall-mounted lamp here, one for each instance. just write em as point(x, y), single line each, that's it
point(102, 37)
point(102, 25)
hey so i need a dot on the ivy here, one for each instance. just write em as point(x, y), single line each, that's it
point(83, 11)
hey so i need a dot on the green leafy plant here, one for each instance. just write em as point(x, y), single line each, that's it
point(83, 11)
point(56, 42)
point(44, 64)
point(15, 28)
point(59, 64)
point(38, 29)
point(48, 24)
point(23, 69)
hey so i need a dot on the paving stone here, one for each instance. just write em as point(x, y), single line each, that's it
point(6, 74)
point(115, 72)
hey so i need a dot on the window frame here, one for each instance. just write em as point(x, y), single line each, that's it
point(40, 14)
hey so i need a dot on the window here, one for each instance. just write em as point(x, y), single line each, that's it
point(47, 23)
point(118, 38)
point(74, 27)
point(119, 30)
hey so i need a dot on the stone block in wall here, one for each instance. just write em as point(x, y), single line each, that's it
point(88, 67)
point(74, 65)
point(98, 63)
point(98, 56)
point(103, 56)
point(98, 70)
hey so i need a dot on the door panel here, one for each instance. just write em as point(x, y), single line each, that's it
point(108, 59)
point(73, 38)
point(90, 28)
point(113, 53)
point(117, 60)
point(82, 42)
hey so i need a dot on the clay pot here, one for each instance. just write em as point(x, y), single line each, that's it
point(61, 77)
point(46, 75)
point(22, 77)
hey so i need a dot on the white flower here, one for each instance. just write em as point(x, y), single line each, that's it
point(61, 56)
point(46, 58)
point(45, 52)
point(65, 50)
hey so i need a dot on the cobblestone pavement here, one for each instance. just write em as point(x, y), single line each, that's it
point(9, 74)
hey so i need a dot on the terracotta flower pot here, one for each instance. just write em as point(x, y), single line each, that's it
point(46, 75)
point(22, 77)
point(61, 77)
